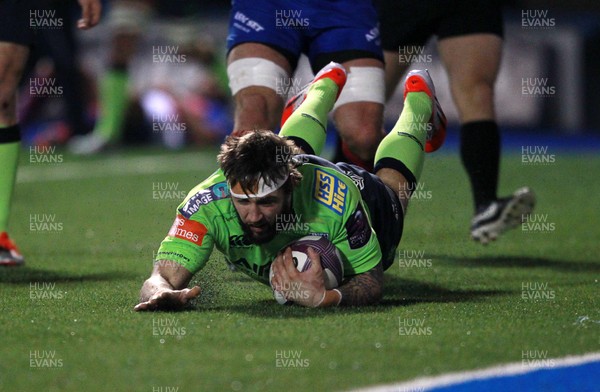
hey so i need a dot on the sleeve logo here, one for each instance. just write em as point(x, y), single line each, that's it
point(330, 191)
point(220, 190)
point(203, 197)
point(188, 230)
point(358, 229)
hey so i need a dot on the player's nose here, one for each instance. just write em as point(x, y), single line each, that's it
point(254, 214)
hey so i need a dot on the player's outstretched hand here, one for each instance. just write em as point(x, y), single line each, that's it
point(90, 14)
point(304, 288)
point(169, 299)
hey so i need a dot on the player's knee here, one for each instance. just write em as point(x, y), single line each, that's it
point(7, 104)
point(255, 109)
point(9, 78)
point(363, 139)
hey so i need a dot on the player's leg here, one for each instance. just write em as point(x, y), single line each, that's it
point(358, 114)
point(126, 21)
point(405, 27)
point(254, 71)
point(12, 61)
point(349, 35)
point(394, 69)
point(472, 62)
point(305, 116)
point(420, 128)
point(261, 56)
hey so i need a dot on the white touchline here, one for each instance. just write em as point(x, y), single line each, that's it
point(509, 369)
point(115, 166)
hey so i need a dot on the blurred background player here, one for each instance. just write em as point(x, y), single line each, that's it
point(47, 119)
point(184, 100)
point(17, 36)
point(126, 20)
point(266, 39)
point(163, 80)
point(469, 36)
point(262, 176)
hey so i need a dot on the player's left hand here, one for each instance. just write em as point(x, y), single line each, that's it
point(304, 288)
point(90, 14)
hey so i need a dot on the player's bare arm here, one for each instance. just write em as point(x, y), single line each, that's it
point(167, 288)
point(363, 289)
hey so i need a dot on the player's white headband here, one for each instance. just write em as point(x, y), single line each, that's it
point(260, 190)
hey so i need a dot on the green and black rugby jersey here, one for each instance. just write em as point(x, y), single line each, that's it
point(325, 203)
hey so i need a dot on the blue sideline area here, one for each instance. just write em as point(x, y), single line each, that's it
point(581, 378)
point(514, 139)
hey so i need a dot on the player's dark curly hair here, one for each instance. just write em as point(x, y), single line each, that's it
point(257, 154)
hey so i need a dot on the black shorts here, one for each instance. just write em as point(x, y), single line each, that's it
point(387, 216)
point(412, 23)
point(17, 23)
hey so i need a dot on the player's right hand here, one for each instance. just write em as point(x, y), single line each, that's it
point(168, 299)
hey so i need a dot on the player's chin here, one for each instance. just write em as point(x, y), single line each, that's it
point(262, 237)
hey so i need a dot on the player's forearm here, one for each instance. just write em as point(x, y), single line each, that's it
point(153, 285)
point(363, 289)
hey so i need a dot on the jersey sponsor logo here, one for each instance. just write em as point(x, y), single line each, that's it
point(373, 35)
point(330, 191)
point(203, 197)
point(356, 179)
point(188, 230)
point(239, 241)
point(260, 271)
point(220, 190)
point(358, 229)
point(324, 235)
point(244, 23)
point(164, 255)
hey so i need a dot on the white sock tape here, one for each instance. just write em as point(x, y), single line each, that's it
point(255, 71)
point(364, 84)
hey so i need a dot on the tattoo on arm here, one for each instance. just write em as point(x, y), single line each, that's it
point(363, 289)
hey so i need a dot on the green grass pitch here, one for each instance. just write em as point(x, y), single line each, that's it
point(89, 228)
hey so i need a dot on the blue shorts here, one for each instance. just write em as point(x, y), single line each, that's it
point(326, 30)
